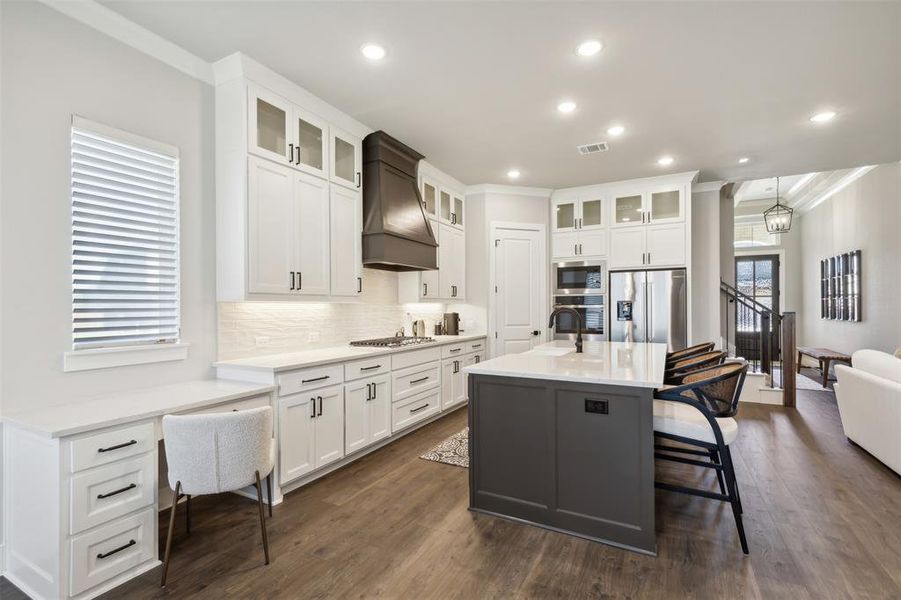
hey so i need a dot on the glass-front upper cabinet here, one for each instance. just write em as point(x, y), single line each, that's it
point(591, 213)
point(347, 159)
point(665, 205)
point(445, 206)
point(628, 209)
point(269, 126)
point(430, 198)
point(565, 213)
point(309, 146)
point(457, 213)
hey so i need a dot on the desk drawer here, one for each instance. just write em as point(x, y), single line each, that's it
point(413, 410)
point(368, 367)
point(233, 406)
point(110, 550)
point(108, 446)
point(310, 379)
point(415, 380)
point(106, 493)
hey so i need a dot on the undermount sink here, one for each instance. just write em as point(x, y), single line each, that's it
point(551, 351)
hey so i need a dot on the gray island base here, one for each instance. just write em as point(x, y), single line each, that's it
point(572, 457)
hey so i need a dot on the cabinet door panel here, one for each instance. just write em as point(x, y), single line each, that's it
point(270, 228)
point(311, 221)
point(347, 161)
point(269, 122)
point(459, 265)
point(593, 243)
point(628, 209)
point(457, 214)
point(592, 213)
point(346, 241)
point(295, 437)
point(430, 198)
point(444, 206)
point(446, 261)
point(380, 409)
point(627, 247)
point(565, 213)
point(666, 206)
point(430, 281)
point(447, 383)
point(329, 424)
point(564, 245)
point(356, 415)
point(459, 384)
point(666, 245)
point(310, 137)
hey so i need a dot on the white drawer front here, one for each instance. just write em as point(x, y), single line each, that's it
point(102, 448)
point(112, 549)
point(415, 380)
point(476, 346)
point(111, 491)
point(369, 367)
point(310, 379)
point(402, 360)
point(453, 350)
point(416, 409)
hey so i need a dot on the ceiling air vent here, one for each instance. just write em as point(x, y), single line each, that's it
point(593, 148)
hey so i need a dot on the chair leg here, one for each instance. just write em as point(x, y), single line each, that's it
point(735, 482)
point(168, 553)
point(262, 517)
point(733, 497)
point(269, 491)
point(714, 457)
point(188, 513)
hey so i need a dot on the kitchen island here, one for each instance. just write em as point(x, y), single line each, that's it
point(564, 440)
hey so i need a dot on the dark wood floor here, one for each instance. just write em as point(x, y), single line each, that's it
point(823, 521)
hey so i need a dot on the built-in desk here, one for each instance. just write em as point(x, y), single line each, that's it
point(81, 484)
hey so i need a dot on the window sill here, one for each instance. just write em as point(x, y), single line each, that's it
point(104, 358)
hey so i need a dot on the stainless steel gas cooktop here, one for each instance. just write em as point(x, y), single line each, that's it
point(397, 341)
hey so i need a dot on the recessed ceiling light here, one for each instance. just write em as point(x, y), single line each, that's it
point(823, 117)
point(743, 160)
point(589, 48)
point(566, 107)
point(665, 161)
point(513, 173)
point(616, 130)
point(373, 51)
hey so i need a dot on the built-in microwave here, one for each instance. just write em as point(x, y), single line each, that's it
point(580, 277)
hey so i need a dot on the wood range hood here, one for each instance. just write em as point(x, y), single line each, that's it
point(397, 235)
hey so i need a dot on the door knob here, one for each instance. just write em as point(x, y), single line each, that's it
point(535, 332)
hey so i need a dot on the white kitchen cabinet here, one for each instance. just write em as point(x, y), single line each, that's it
point(308, 146)
point(576, 212)
point(346, 242)
point(346, 159)
point(269, 125)
point(579, 243)
point(311, 431)
point(470, 359)
point(367, 407)
point(272, 228)
point(453, 389)
point(457, 210)
point(666, 205)
point(627, 247)
point(452, 263)
point(564, 245)
point(311, 201)
point(296, 434)
point(636, 207)
point(666, 245)
point(430, 198)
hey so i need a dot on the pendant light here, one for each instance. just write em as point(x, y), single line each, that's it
point(778, 218)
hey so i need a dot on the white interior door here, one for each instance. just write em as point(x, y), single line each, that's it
point(519, 275)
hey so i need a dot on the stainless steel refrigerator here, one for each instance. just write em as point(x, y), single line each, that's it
point(649, 306)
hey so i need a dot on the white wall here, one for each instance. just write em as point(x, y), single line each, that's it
point(866, 215)
point(58, 67)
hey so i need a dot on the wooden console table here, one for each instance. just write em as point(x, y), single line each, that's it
point(824, 356)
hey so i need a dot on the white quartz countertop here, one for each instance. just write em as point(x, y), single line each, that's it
point(135, 405)
point(322, 356)
point(616, 363)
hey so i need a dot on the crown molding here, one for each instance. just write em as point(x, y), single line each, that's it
point(111, 23)
point(707, 186)
point(508, 190)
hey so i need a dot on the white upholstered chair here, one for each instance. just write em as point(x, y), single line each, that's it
point(215, 453)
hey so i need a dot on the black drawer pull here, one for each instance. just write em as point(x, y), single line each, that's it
point(117, 446)
point(455, 349)
point(415, 381)
point(474, 346)
point(119, 549)
point(323, 378)
point(416, 410)
point(119, 491)
point(370, 368)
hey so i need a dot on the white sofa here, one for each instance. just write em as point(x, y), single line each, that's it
point(869, 402)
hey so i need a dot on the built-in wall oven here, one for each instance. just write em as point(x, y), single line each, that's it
point(581, 285)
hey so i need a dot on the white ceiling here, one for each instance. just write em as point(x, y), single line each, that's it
point(474, 85)
point(765, 189)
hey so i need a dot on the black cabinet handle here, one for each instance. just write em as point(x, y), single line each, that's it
point(292, 280)
point(359, 285)
point(416, 410)
point(536, 332)
point(370, 368)
point(368, 392)
point(580, 249)
point(425, 289)
point(474, 346)
point(313, 407)
point(299, 280)
point(415, 381)
point(319, 414)
point(359, 180)
point(478, 358)
point(119, 549)
point(297, 162)
point(119, 491)
point(118, 446)
point(375, 391)
point(291, 155)
point(649, 258)
point(455, 349)
point(323, 378)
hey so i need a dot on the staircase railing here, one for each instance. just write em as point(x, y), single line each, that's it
point(762, 336)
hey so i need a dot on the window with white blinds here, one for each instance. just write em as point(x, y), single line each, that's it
point(125, 242)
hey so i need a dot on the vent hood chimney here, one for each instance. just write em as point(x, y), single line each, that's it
point(397, 235)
